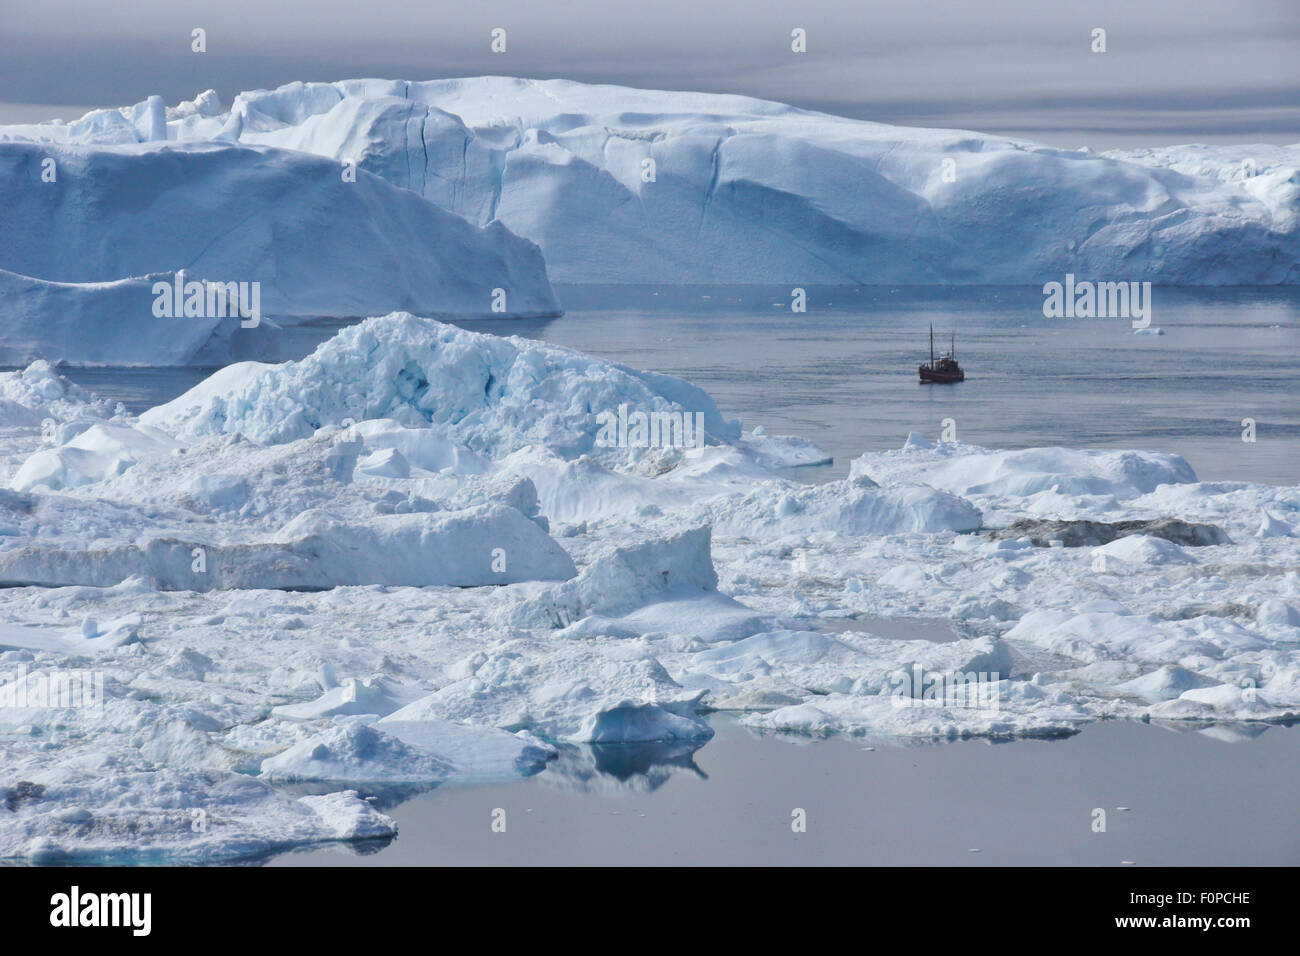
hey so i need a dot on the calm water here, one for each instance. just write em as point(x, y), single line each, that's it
point(1191, 799)
point(844, 372)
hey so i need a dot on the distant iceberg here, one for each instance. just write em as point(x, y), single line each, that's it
point(624, 185)
point(83, 257)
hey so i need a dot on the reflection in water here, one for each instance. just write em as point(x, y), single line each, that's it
point(627, 768)
point(367, 847)
point(1192, 799)
point(1228, 732)
point(383, 796)
point(343, 849)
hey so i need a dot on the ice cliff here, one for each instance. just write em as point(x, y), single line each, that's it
point(629, 185)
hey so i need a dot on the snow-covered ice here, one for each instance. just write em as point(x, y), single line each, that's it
point(86, 259)
point(629, 185)
point(97, 814)
point(405, 752)
point(407, 560)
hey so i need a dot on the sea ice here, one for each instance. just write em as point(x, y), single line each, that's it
point(416, 564)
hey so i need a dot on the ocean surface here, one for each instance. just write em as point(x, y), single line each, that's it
point(1169, 796)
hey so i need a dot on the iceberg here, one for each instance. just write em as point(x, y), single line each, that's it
point(426, 752)
point(963, 469)
point(175, 816)
point(86, 289)
point(567, 691)
point(317, 550)
point(490, 394)
point(354, 751)
point(620, 185)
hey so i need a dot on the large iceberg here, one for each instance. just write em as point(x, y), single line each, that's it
point(629, 185)
point(91, 262)
point(488, 393)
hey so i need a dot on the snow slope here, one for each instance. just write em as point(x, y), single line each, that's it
point(491, 394)
point(79, 256)
point(750, 191)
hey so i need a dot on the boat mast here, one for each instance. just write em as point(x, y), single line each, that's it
point(952, 348)
point(932, 345)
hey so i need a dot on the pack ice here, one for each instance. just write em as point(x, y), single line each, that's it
point(302, 592)
point(628, 185)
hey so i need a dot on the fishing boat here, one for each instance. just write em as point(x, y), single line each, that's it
point(943, 370)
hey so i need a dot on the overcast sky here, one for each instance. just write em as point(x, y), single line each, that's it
point(1174, 70)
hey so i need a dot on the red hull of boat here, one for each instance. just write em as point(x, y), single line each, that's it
point(931, 377)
